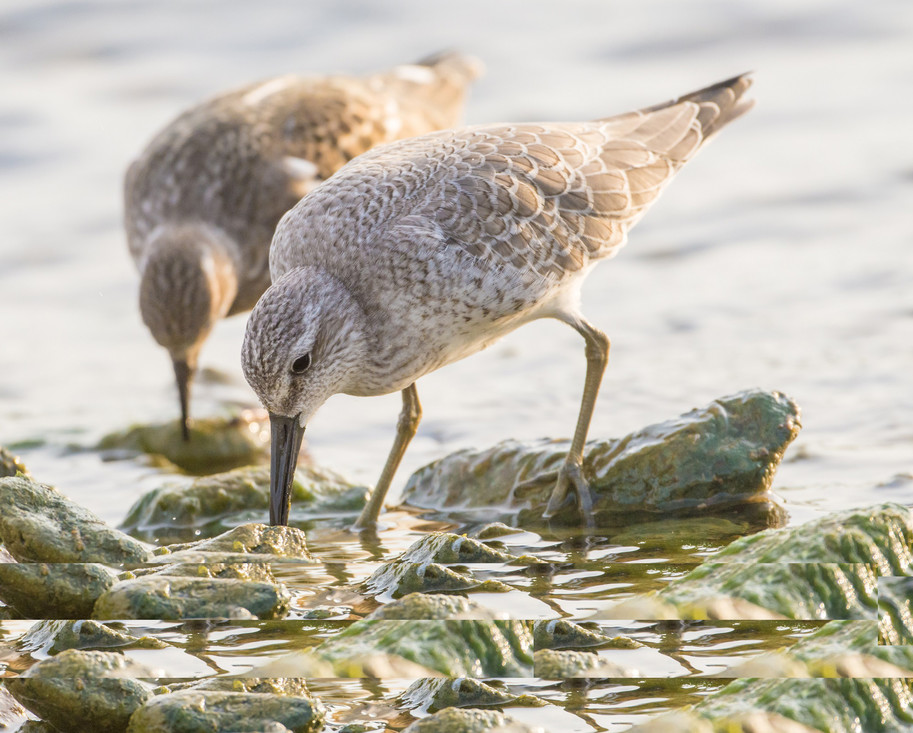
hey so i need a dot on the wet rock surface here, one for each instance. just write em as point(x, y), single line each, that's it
point(440, 693)
point(212, 504)
point(53, 637)
point(39, 524)
point(54, 590)
point(200, 711)
point(895, 611)
point(216, 444)
point(825, 569)
point(463, 720)
point(435, 606)
point(174, 597)
point(83, 690)
point(718, 458)
point(565, 664)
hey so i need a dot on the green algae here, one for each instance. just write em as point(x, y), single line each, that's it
point(53, 637)
point(824, 569)
point(454, 648)
point(880, 535)
point(213, 504)
point(178, 597)
point(39, 524)
point(54, 590)
point(714, 459)
point(443, 692)
point(199, 711)
point(895, 610)
point(216, 444)
point(82, 690)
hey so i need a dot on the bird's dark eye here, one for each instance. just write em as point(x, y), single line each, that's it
point(301, 364)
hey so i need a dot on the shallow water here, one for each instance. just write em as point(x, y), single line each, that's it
point(781, 257)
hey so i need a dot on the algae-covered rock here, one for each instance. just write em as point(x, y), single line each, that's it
point(212, 504)
point(36, 726)
point(895, 610)
point(837, 649)
point(565, 664)
point(216, 444)
point(446, 547)
point(563, 634)
point(54, 590)
point(470, 720)
point(717, 458)
point(436, 606)
point(831, 705)
point(880, 535)
point(824, 569)
point(83, 691)
point(204, 711)
point(398, 578)
point(275, 543)
point(53, 637)
point(174, 597)
point(10, 464)
point(444, 692)
point(446, 647)
point(39, 524)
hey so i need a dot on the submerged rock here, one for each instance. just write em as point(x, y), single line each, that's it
point(201, 711)
point(54, 590)
point(77, 690)
point(212, 504)
point(398, 578)
point(53, 637)
point(467, 720)
point(837, 649)
point(824, 569)
point(10, 465)
point(436, 606)
point(446, 547)
point(444, 692)
point(171, 597)
point(566, 664)
point(719, 458)
point(423, 645)
point(564, 634)
point(216, 444)
point(39, 524)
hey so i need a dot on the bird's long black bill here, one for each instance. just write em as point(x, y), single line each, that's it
point(183, 373)
point(286, 434)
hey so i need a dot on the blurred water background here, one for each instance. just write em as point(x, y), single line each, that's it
point(781, 257)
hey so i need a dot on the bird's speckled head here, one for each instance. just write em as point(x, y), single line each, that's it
point(305, 342)
point(188, 282)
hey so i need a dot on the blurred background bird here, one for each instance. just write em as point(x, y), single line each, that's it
point(204, 197)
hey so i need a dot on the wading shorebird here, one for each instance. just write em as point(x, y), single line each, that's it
point(203, 199)
point(427, 250)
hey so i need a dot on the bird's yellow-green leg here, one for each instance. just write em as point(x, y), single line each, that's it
point(405, 430)
point(571, 473)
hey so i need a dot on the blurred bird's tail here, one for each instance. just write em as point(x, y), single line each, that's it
point(434, 88)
